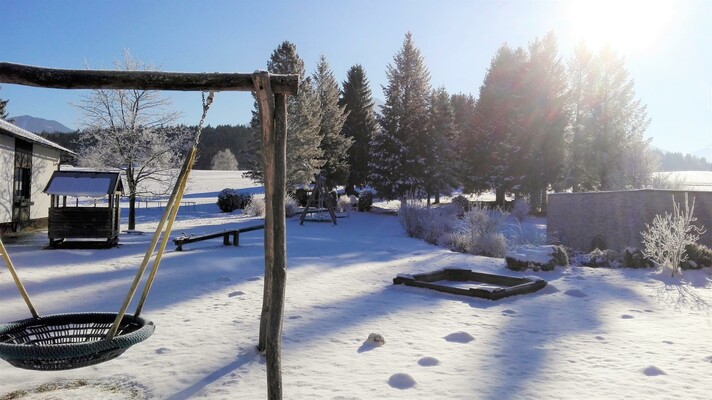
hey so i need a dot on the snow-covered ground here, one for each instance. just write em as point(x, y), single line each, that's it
point(591, 333)
point(693, 180)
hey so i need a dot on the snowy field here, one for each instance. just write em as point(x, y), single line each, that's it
point(591, 333)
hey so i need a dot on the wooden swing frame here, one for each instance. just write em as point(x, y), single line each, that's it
point(271, 91)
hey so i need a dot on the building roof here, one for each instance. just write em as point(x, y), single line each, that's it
point(84, 183)
point(17, 132)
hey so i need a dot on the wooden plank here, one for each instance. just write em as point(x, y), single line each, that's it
point(145, 80)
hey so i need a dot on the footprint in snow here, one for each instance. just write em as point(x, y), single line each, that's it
point(667, 342)
point(223, 279)
point(428, 362)
point(508, 312)
point(236, 293)
point(575, 293)
point(459, 337)
point(162, 350)
point(708, 359)
point(255, 278)
point(401, 381)
point(600, 338)
point(653, 371)
point(626, 316)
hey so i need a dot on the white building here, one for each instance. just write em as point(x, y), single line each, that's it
point(26, 164)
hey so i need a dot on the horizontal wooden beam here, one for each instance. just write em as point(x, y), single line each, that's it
point(146, 80)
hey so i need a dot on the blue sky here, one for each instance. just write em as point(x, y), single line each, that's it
point(667, 46)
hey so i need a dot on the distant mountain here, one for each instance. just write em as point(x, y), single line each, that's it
point(39, 125)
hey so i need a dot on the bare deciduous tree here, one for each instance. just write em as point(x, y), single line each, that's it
point(668, 236)
point(127, 129)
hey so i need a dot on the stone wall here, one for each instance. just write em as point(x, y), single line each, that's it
point(616, 219)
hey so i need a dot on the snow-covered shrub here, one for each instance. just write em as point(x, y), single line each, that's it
point(424, 223)
point(668, 181)
point(482, 231)
point(544, 258)
point(669, 235)
point(519, 234)
point(462, 204)
point(230, 200)
point(291, 207)
point(698, 256)
point(597, 258)
point(365, 200)
point(343, 204)
point(256, 207)
point(634, 258)
point(521, 209)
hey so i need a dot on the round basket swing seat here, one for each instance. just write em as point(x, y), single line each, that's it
point(66, 341)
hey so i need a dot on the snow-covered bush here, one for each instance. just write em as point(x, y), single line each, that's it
point(698, 256)
point(598, 258)
point(291, 207)
point(365, 200)
point(544, 258)
point(481, 231)
point(343, 204)
point(461, 203)
point(230, 200)
point(256, 207)
point(424, 223)
point(669, 235)
point(519, 234)
point(634, 258)
point(521, 209)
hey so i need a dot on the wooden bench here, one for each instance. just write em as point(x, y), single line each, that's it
point(235, 233)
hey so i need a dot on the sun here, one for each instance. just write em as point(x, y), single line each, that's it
point(627, 25)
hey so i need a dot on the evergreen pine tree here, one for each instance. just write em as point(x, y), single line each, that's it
point(463, 107)
point(440, 173)
point(498, 141)
point(545, 119)
point(610, 124)
point(360, 125)
point(303, 140)
point(334, 144)
point(398, 162)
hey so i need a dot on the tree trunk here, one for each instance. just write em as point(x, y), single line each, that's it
point(437, 198)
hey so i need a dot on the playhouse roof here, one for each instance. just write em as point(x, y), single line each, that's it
point(84, 183)
point(17, 132)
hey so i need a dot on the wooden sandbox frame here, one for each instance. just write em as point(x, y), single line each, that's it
point(510, 285)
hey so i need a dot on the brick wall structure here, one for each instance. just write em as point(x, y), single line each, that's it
point(615, 220)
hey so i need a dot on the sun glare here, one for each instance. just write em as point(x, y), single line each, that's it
point(628, 25)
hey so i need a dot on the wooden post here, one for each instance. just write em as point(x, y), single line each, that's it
point(279, 272)
point(265, 101)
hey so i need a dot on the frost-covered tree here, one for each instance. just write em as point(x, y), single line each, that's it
point(126, 129)
point(224, 160)
point(304, 157)
point(398, 158)
point(334, 144)
point(360, 125)
point(667, 238)
point(3, 109)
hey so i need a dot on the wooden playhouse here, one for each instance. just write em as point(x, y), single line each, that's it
point(74, 220)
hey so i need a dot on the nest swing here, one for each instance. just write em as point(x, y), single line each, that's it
point(75, 340)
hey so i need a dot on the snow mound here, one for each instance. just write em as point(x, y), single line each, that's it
point(653, 371)
point(459, 337)
point(401, 381)
point(428, 362)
